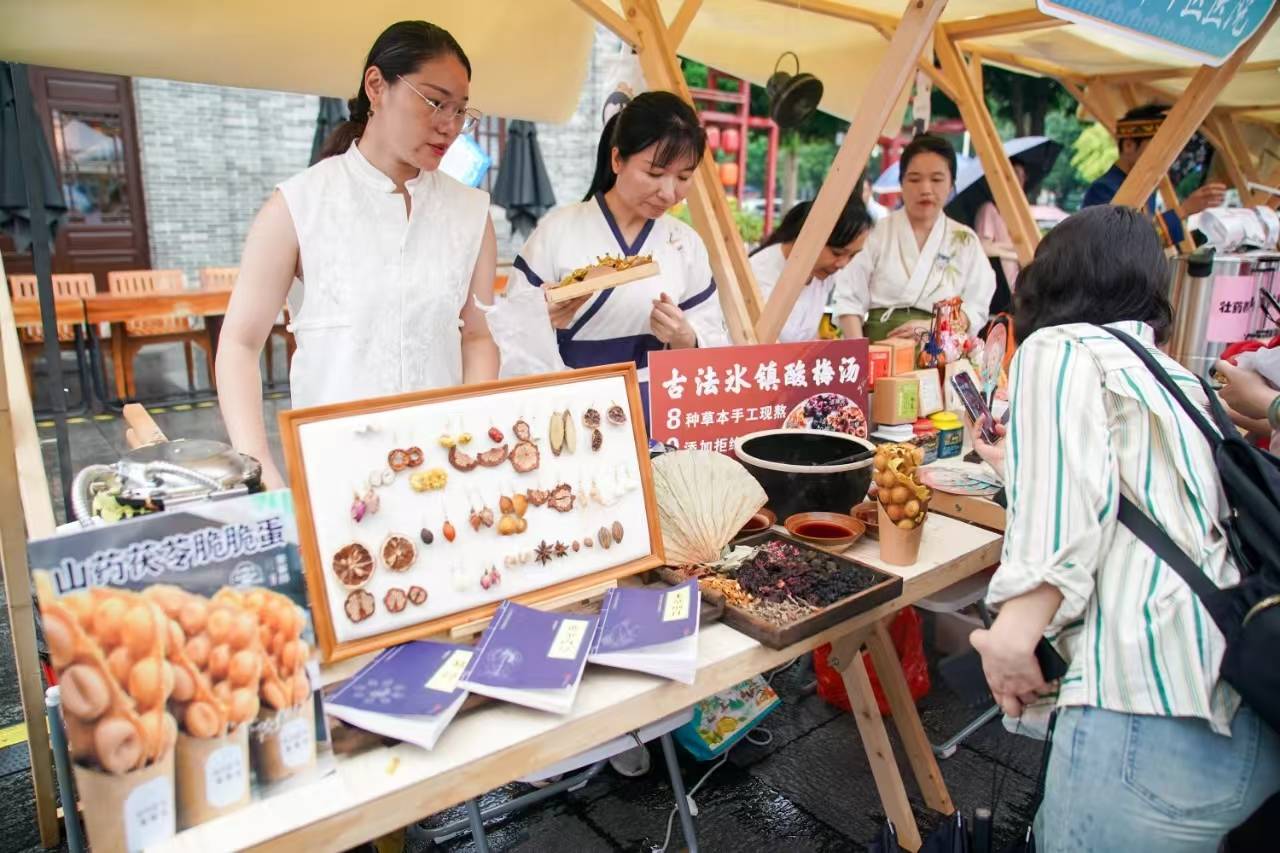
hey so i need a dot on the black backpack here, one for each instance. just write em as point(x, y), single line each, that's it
point(1248, 614)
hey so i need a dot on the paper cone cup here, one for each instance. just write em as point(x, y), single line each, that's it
point(128, 811)
point(897, 546)
point(283, 742)
point(212, 776)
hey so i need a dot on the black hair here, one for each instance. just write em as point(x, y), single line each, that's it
point(648, 118)
point(400, 50)
point(1101, 265)
point(1152, 112)
point(929, 143)
point(853, 220)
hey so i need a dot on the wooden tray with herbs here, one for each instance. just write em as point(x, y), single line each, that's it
point(789, 590)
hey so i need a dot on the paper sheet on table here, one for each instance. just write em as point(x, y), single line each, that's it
point(521, 327)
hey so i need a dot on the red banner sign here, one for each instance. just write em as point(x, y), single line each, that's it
point(706, 398)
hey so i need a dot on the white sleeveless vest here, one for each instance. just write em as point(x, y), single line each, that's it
point(376, 311)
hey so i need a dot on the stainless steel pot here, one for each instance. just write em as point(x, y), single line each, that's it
point(1194, 278)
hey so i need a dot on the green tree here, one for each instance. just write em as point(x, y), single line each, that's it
point(1093, 153)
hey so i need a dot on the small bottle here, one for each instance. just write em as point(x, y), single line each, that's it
point(950, 434)
point(926, 437)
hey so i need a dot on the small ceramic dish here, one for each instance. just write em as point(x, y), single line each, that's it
point(758, 523)
point(870, 518)
point(826, 529)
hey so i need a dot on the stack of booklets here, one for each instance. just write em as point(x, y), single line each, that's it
point(531, 657)
point(650, 630)
point(409, 692)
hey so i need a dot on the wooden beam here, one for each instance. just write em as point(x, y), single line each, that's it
point(1088, 100)
point(974, 64)
point(610, 19)
point(1002, 24)
point(1127, 93)
point(1187, 114)
point(1006, 191)
point(1252, 108)
point(1029, 65)
point(890, 77)
point(736, 283)
point(1238, 157)
point(1189, 71)
point(882, 22)
point(24, 493)
point(679, 26)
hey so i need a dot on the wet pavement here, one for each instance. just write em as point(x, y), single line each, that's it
point(808, 789)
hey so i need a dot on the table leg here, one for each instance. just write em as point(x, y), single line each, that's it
point(846, 656)
point(677, 789)
point(477, 826)
point(907, 721)
point(84, 370)
point(117, 359)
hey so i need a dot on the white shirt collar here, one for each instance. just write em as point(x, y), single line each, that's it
point(373, 176)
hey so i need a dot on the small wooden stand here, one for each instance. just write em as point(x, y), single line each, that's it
point(597, 280)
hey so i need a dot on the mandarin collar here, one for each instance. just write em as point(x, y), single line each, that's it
point(370, 175)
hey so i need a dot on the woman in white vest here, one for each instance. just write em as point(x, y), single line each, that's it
point(378, 251)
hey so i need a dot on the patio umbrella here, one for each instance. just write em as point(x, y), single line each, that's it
point(15, 216)
point(1037, 154)
point(968, 170)
point(333, 112)
point(523, 186)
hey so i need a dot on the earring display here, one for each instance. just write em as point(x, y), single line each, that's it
point(385, 562)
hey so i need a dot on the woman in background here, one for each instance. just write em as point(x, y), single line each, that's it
point(767, 262)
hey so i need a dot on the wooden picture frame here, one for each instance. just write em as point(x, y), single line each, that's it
point(601, 281)
point(560, 388)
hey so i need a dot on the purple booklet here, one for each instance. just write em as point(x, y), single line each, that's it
point(632, 618)
point(417, 678)
point(527, 649)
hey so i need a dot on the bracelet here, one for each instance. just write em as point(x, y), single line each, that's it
point(1273, 413)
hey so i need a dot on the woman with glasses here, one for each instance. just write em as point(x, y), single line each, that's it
point(378, 252)
point(644, 167)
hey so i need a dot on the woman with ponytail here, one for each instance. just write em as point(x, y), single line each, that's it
point(845, 241)
point(647, 156)
point(378, 252)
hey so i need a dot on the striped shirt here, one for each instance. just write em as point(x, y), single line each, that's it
point(1089, 423)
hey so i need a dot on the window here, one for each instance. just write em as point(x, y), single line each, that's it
point(491, 136)
point(89, 147)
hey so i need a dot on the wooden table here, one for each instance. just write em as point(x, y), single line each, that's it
point(26, 312)
point(376, 792)
point(117, 310)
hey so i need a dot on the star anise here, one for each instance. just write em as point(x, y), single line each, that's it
point(561, 549)
point(544, 553)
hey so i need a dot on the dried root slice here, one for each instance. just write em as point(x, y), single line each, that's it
point(561, 498)
point(556, 436)
point(461, 460)
point(597, 440)
point(494, 457)
point(591, 418)
point(570, 432)
point(525, 457)
point(359, 607)
point(417, 595)
point(617, 415)
point(521, 430)
point(538, 497)
point(395, 600)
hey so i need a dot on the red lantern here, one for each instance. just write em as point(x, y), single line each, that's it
point(713, 137)
point(730, 140)
point(729, 174)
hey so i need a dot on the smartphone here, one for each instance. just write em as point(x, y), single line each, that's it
point(1052, 666)
point(975, 406)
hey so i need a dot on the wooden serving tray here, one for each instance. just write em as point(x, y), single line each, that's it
point(598, 281)
point(774, 636)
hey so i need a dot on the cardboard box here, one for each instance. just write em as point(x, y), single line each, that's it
point(904, 355)
point(896, 401)
point(881, 361)
point(931, 398)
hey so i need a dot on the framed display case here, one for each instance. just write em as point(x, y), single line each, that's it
point(421, 512)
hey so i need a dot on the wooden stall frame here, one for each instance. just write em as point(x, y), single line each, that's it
point(893, 73)
point(313, 564)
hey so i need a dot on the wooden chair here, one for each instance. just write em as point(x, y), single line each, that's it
point(224, 278)
point(136, 334)
point(65, 286)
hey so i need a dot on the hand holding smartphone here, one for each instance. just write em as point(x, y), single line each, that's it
point(975, 406)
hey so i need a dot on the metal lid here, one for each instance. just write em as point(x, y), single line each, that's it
point(213, 459)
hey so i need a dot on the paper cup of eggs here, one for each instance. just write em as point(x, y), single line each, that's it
point(903, 502)
point(108, 649)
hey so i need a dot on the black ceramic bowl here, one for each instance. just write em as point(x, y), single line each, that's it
point(808, 470)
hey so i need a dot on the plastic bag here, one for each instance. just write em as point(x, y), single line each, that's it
point(521, 327)
point(908, 641)
point(722, 720)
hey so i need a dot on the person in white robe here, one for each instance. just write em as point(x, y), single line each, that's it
point(915, 257)
point(769, 260)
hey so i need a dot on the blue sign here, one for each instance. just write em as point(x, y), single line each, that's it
point(1207, 31)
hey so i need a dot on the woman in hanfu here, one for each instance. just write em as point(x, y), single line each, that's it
point(916, 257)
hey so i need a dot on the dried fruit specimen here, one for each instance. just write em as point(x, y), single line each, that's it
point(576, 546)
point(353, 565)
point(359, 606)
point(597, 439)
point(561, 550)
point(616, 530)
point(495, 435)
point(415, 456)
point(426, 536)
point(538, 497)
point(493, 458)
point(417, 595)
point(462, 461)
point(570, 432)
point(448, 531)
point(525, 457)
point(544, 553)
point(398, 460)
point(557, 433)
point(617, 415)
point(429, 480)
point(395, 599)
point(591, 418)
point(506, 506)
point(520, 504)
point(521, 430)
point(605, 537)
point(398, 552)
point(561, 498)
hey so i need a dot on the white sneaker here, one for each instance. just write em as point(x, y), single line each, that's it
point(632, 763)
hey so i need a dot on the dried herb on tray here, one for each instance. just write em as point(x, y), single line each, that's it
point(779, 571)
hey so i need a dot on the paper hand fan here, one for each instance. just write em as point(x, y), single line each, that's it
point(704, 499)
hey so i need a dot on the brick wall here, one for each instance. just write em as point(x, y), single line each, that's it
point(210, 157)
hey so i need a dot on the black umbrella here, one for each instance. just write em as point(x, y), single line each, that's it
point(15, 215)
point(1036, 154)
point(523, 186)
point(333, 112)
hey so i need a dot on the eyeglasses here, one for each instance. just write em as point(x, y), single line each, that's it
point(465, 119)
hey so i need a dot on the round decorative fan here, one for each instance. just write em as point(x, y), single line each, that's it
point(704, 499)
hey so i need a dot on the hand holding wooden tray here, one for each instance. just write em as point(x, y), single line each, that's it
point(603, 276)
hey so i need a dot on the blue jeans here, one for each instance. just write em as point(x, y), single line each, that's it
point(1128, 782)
